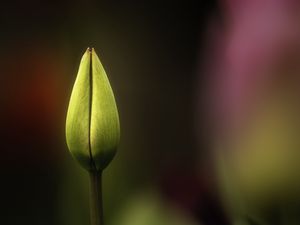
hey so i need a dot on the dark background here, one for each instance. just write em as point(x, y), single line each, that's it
point(152, 53)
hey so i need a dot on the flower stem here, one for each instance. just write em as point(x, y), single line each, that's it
point(96, 206)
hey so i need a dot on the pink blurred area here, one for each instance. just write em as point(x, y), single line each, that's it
point(253, 74)
point(256, 49)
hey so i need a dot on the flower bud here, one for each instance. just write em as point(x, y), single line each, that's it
point(92, 124)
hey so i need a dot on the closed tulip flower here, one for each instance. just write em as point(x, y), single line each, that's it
point(92, 126)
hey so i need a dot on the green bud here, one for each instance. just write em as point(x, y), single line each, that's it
point(92, 125)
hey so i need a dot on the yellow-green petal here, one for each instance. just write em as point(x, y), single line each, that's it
point(92, 126)
point(105, 127)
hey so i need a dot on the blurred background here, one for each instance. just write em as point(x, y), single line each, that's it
point(150, 50)
point(207, 93)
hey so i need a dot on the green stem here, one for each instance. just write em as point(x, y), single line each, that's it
point(96, 207)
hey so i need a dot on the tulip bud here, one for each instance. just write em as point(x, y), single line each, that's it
point(92, 124)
